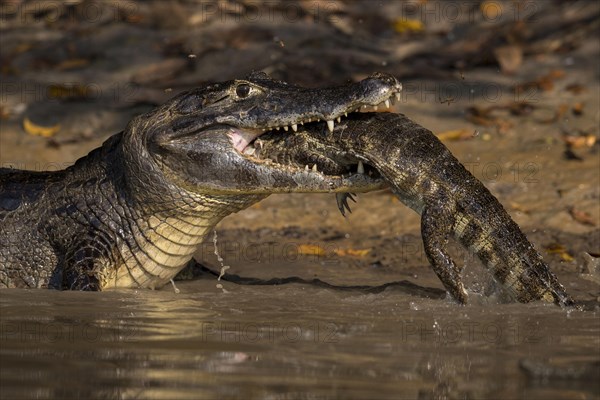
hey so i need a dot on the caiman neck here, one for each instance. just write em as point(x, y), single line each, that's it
point(165, 223)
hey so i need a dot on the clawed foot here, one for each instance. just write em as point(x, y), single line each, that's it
point(342, 202)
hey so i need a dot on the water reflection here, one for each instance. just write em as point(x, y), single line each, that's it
point(286, 342)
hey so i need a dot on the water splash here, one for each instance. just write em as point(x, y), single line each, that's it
point(220, 259)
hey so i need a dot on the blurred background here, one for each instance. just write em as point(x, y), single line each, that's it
point(511, 87)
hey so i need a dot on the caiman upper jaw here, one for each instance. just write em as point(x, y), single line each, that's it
point(378, 90)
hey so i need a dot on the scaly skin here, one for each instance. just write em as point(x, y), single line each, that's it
point(428, 178)
point(132, 212)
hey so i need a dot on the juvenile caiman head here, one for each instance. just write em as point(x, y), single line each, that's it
point(203, 140)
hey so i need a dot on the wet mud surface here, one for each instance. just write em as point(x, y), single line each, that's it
point(312, 304)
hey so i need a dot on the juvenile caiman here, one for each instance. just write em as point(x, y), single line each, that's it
point(133, 212)
point(428, 178)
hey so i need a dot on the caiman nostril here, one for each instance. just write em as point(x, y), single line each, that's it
point(386, 78)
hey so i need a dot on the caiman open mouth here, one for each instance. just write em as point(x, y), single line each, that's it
point(247, 143)
point(282, 151)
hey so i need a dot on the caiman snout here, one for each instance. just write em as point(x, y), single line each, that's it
point(387, 82)
point(379, 89)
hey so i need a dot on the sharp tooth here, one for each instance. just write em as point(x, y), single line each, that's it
point(375, 108)
point(361, 168)
point(314, 168)
point(397, 96)
point(339, 119)
point(306, 167)
point(294, 127)
point(387, 104)
point(345, 114)
point(285, 128)
point(301, 122)
point(330, 125)
point(277, 128)
point(249, 150)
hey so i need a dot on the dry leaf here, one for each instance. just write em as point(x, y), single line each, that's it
point(72, 92)
point(560, 111)
point(134, 18)
point(545, 82)
point(510, 58)
point(311, 250)
point(555, 74)
point(73, 64)
point(581, 216)
point(402, 25)
point(456, 134)
point(518, 207)
point(491, 10)
point(483, 116)
point(576, 88)
point(580, 141)
point(4, 113)
point(578, 108)
point(352, 252)
point(38, 130)
point(520, 108)
point(557, 248)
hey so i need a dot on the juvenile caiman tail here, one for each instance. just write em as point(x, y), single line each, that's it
point(428, 178)
point(508, 255)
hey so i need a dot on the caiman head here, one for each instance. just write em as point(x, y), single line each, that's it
point(204, 140)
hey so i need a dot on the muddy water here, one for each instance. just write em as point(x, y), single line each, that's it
point(287, 341)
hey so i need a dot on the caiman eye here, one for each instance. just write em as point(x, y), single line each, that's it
point(243, 90)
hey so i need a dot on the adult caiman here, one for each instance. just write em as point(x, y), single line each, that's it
point(133, 212)
point(425, 176)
